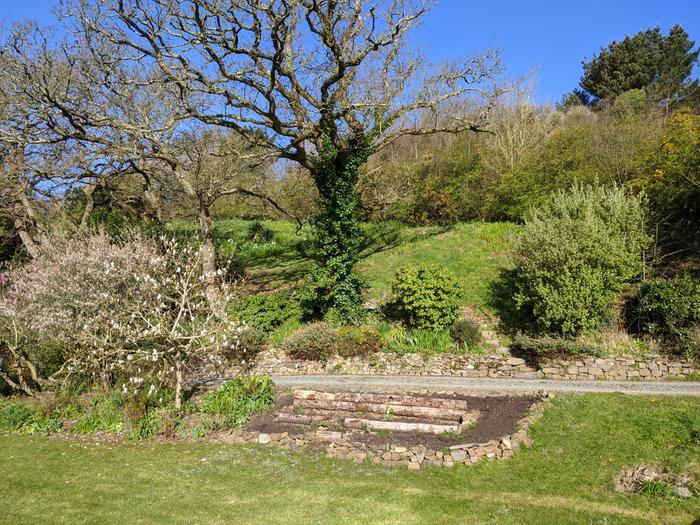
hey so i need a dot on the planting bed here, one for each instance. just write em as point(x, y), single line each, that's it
point(396, 429)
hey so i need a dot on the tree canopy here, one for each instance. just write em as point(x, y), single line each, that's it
point(648, 60)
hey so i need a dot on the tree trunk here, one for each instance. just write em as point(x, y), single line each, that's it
point(337, 229)
point(443, 414)
point(151, 198)
point(209, 259)
point(89, 189)
point(399, 426)
point(178, 385)
point(29, 244)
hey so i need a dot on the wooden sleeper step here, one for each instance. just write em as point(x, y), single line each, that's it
point(390, 399)
point(446, 414)
point(399, 426)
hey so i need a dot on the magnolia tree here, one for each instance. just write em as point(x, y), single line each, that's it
point(133, 314)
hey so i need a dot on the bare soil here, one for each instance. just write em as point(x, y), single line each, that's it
point(498, 418)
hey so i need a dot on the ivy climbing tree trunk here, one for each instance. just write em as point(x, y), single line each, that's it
point(338, 235)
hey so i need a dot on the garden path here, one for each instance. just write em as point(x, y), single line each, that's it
point(467, 384)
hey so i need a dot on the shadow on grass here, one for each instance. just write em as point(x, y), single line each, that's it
point(501, 297)
point(389, 235)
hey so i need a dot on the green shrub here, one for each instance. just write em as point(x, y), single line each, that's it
point(267, 311)
point(13, 416)
point(103, 414)
point(145, 426)
point(360, 342)
point(574, 256)
point(251, 342)
point(426, 296)
point(259, 233)
point(41, 423)
point(553, 346)
point(421, 341)
point(312, 342)
point(670, 308)
point(466, 333)
point(239, 398)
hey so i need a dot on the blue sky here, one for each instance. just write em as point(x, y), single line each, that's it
point(549, 37)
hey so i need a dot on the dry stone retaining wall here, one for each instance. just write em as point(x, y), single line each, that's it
point(650, 367)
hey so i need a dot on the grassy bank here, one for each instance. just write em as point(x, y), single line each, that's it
point(581, 443)
point(474, 251)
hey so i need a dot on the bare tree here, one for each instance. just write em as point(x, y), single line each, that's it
point(214, 164)
point(127, 115)
point(324, 83)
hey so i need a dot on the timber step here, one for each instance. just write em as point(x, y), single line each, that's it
point(370, 411)
point(323, 414)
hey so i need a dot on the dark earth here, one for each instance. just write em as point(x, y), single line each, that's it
point(498, 418)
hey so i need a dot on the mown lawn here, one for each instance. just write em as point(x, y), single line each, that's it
point(581, 443)
point(474, 251)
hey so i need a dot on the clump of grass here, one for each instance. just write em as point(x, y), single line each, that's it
point(146, 426)
point(13, 416)
point(656, 488)
point(239, 398)
point(102, 414)
point(421, 341)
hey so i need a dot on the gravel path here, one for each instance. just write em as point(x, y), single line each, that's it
point(465, 384)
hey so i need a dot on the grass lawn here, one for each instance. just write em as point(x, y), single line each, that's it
point(474, 251)
point(581, 443)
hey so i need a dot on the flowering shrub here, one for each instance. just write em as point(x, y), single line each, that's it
point(133, 313)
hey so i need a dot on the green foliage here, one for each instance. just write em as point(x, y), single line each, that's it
point(260, 233)
point(266, 312)
point(466, 333)
point(448, 188)
point(312, 342)
point(673, 180)
point(423, 341)
point(16, 416)
point(239, 398)
point(563, 161)
point(670, 308)
point(251, 342)
point(145, 426)
point(338, 236)
point(426, 296)
point(359, 342)
point(656, 488)
point(102, 414)
point(574, 256)
point(647, 60)
point(575, 97)
point(553, 346)
point(13, 416)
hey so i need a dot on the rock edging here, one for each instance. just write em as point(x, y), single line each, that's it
point(340, 445)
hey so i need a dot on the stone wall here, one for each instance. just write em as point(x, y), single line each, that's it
point(650, 367)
